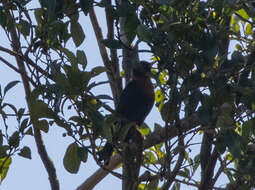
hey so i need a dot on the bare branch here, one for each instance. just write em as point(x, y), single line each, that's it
point(115, 84)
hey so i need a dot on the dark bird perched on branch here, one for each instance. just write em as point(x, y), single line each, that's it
point(135, 102)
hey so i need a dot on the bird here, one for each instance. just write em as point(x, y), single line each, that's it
point(134, 104)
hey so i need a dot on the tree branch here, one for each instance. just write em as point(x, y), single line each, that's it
point(115, 84)
point(158, 136)
point(16, 70)
point(50, 168)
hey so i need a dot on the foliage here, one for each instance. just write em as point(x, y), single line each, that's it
point(195, 76)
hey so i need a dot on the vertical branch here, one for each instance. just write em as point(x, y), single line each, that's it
point(112, 68)
point(207, 177)
point(48, 164)
point(113, 52)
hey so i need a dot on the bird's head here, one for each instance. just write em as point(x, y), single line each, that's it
point(142, 69)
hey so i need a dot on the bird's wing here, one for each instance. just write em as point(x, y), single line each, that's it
point(128, 99)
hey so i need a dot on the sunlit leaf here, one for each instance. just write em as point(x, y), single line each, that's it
point(248, 29)
point(243, 14)
point(4, 164)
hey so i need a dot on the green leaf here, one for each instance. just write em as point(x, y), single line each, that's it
point(3, 150)
point(164, 2)
point(83, 154)
point(111, 43)
point(71, 159)
point(150, 158)
point(153, 185)
point(144, 129)
point(4, 164)
point(24, 27)
point(144, 33)
point(10, 85)
point(248, 29)
point(23, 125)
point(14, 139)
point(20, 113)
point(25, 152)
point(3, 18)
point(97, 70)
point(196, 163)
point(86, 5)
point(130, 27)
point(42, 125)
point(81, 57)
point(77, 33)
point(70, 55)
point(104, 96)
point(243, 14)
point(39, 109)
point(50, 5)
point(29, 131)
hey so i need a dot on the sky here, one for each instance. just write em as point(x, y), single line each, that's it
point(31, 174)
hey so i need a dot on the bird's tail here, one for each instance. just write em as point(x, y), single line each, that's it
point(106, 153)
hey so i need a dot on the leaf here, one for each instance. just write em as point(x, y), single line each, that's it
point(50, 5)
point(144, 129)
point(150, 158)
point(104, 96)
point(24, 27)
point(23, 125)
point(86, 5)
point(71, 159)
point(97, 70)
point(10, 85)
point(144, 34)
point(81, 57)
point(29, 131)
point(14, 139)
point(248, 29)
point(153, 185)
point(4, 164)
point(83, 154)
point(3, 150)
point(25, 152)
point(39, 109)
point(42, 125)
point(70, 55)
point(243, 14)
point(20, 113)
point(3, 18)
point(77, 33)
point(164, 2)
point(111, 43)
point(130, 27)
